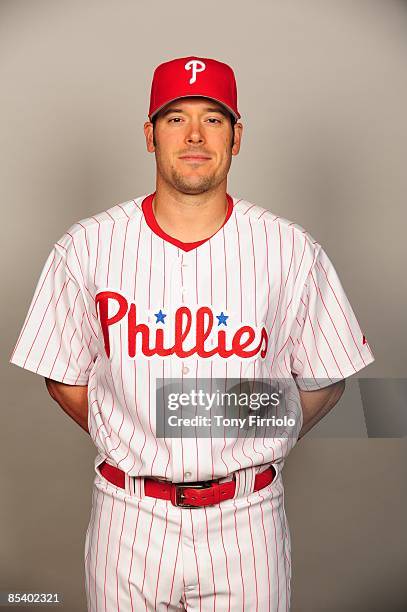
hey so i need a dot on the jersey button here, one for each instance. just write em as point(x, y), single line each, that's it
point(185, 369)
point(187, 475)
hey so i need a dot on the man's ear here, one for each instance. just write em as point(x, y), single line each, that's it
point(148, 132)
point(238, 128)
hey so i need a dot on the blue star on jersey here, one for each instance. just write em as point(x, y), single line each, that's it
point(160, 316)
point(222, 318)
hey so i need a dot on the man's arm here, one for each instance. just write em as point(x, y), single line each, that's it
point(316, 404)
point(73, 400)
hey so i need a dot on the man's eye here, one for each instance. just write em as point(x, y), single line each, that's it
point(176, 119)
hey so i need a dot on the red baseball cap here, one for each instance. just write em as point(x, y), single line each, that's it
point(193, 76)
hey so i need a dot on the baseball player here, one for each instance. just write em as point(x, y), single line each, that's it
point(188, 282)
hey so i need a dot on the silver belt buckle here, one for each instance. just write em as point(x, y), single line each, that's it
point(197, 485)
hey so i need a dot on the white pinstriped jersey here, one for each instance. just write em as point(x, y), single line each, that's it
point(118, 305)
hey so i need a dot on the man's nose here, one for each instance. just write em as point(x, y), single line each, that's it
point(195, 133)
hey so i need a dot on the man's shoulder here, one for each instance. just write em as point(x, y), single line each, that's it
point(124, 211)
point(117, 215)
point(258, 214)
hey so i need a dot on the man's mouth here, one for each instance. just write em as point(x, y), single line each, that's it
point(195, 158)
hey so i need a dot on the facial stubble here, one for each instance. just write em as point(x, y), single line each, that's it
point(195, 185)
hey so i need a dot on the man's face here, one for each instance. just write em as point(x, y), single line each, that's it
point(192, 141)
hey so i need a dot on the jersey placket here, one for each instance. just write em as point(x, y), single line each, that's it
point(183, 293)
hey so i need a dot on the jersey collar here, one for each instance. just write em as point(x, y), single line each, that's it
point(147, 207)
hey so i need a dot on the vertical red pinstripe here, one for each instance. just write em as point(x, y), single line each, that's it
point(226, 365)
point(279, 291)
point(123, 252)
point(110, 253)
point(182, 370)
point(240, 555)
point(149, 362)
point(254, 557)
point(97, 251)
point(210, 556)
point(276, 555)
point(291, 260)
point(107, 550)
point(268, 271)
point(118, 557)
point(196, 560)
point(196, 438)
point(125, 402)
point(160, 560)
point(288, 560)
point(163, 303)
point(89, 535)
point(149, 416)
point(142, 426)
point(175, 566)
point(300, 264)
point(241, 319)
point(226, 556)
point(97, 551)
point(254, 273)
point(86, 237)
point(132, 553)
point(146, 555)
point(211, 361)
point(256, 321)
point(165, 439)
point(134, 361)
point(240, 270)
point(267, 551)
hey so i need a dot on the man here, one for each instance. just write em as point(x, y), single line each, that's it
point(188, 283)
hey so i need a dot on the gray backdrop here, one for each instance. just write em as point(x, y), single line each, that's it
point(322, 92)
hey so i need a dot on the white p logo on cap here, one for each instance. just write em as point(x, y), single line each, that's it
point(196, 66)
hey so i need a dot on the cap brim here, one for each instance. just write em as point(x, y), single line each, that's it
point(157, 110)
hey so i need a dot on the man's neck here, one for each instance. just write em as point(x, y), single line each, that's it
point(190, 218)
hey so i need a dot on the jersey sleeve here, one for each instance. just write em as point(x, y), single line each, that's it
point(57, 340)
point(328, 343)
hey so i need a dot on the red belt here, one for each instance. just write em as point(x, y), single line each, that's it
point(187, 495)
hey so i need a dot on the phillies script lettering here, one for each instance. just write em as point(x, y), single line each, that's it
point(153, 337)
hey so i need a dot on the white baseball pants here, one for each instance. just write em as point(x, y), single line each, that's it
point(144, 554)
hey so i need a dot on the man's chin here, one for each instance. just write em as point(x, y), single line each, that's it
point(193, 187)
